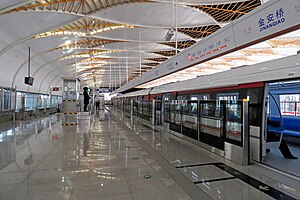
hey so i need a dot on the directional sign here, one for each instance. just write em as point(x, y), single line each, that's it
point(264, 187)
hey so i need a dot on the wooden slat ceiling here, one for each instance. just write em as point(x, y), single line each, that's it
point(92, 60)
point(85, 26)
point(150, 64)
point(88, 54)
point(160, 59)
point(259, 52)
point(286, 42)
point(229, 11)
point(180, 44)
point(199, 32)
point(85, 43)
point(231, 59)
point(165, 53)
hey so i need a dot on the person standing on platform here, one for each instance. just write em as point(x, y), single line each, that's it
point(86, 99)
point(97, 104)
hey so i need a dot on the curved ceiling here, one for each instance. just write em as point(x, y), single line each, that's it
point(101, 41)
point(146, 34)
point(155, 15)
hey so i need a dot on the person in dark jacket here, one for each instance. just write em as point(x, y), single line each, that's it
point(86, 99)
point(97, 105)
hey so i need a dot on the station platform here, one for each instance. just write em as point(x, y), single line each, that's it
point(112, 156)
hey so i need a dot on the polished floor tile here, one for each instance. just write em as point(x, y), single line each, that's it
point(204, 173)
point(94, 160)
point(102, 159)
point(233, 190)
point(186, 157)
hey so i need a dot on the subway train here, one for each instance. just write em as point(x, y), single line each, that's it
point(211, 109)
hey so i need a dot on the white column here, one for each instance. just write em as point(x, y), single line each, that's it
point(126, 67)
point(176, 25)
point(140, 52)
point(120, 81)
point(110, 85)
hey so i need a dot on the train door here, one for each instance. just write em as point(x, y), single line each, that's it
point(224, 128)
point(157, 112)
point(189, 119)
point(211, 124)
point(236, 131)
point(282, 126)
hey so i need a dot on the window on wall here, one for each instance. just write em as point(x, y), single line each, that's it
point(47, 99)
point(6, 100)
point(43, 100)
point(30, 101)
point(13, 100)
point(39, 101)
point(19, 100)
point(54, 101)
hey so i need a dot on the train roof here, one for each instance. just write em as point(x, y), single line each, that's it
point(138, 93)
point(278, 69)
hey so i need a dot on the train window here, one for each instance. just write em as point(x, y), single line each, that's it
point(194, 108)
point(185, 106)
point(290, 104)
point(228, 96)
point(211, 109)
point(200, 97)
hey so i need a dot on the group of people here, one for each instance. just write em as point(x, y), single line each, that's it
point(86, 100)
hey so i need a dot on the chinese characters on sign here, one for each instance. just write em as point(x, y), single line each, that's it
point(247, 31)
point(271, 20)
point(209, 49)
point(171, 65)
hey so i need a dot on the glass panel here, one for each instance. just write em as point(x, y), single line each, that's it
point(39, 99)
point(288, 108)
point(69, 89)
point(119, 104)
point(135, 105)
point(54, 103)
point(127, 105)
point(48, 103)
point(298, 109)
point(30, 101)
point(6, 100)
point(210, 118)
point(189, 117)
point(234, 121)
point(19, 100)
point(289, 104)
point(13, 100)
point(167, 111)
point(147, 108)
point(175, 112)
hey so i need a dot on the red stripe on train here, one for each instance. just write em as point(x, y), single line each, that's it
point(242, 86)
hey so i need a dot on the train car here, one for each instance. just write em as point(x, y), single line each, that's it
point(208, 109)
